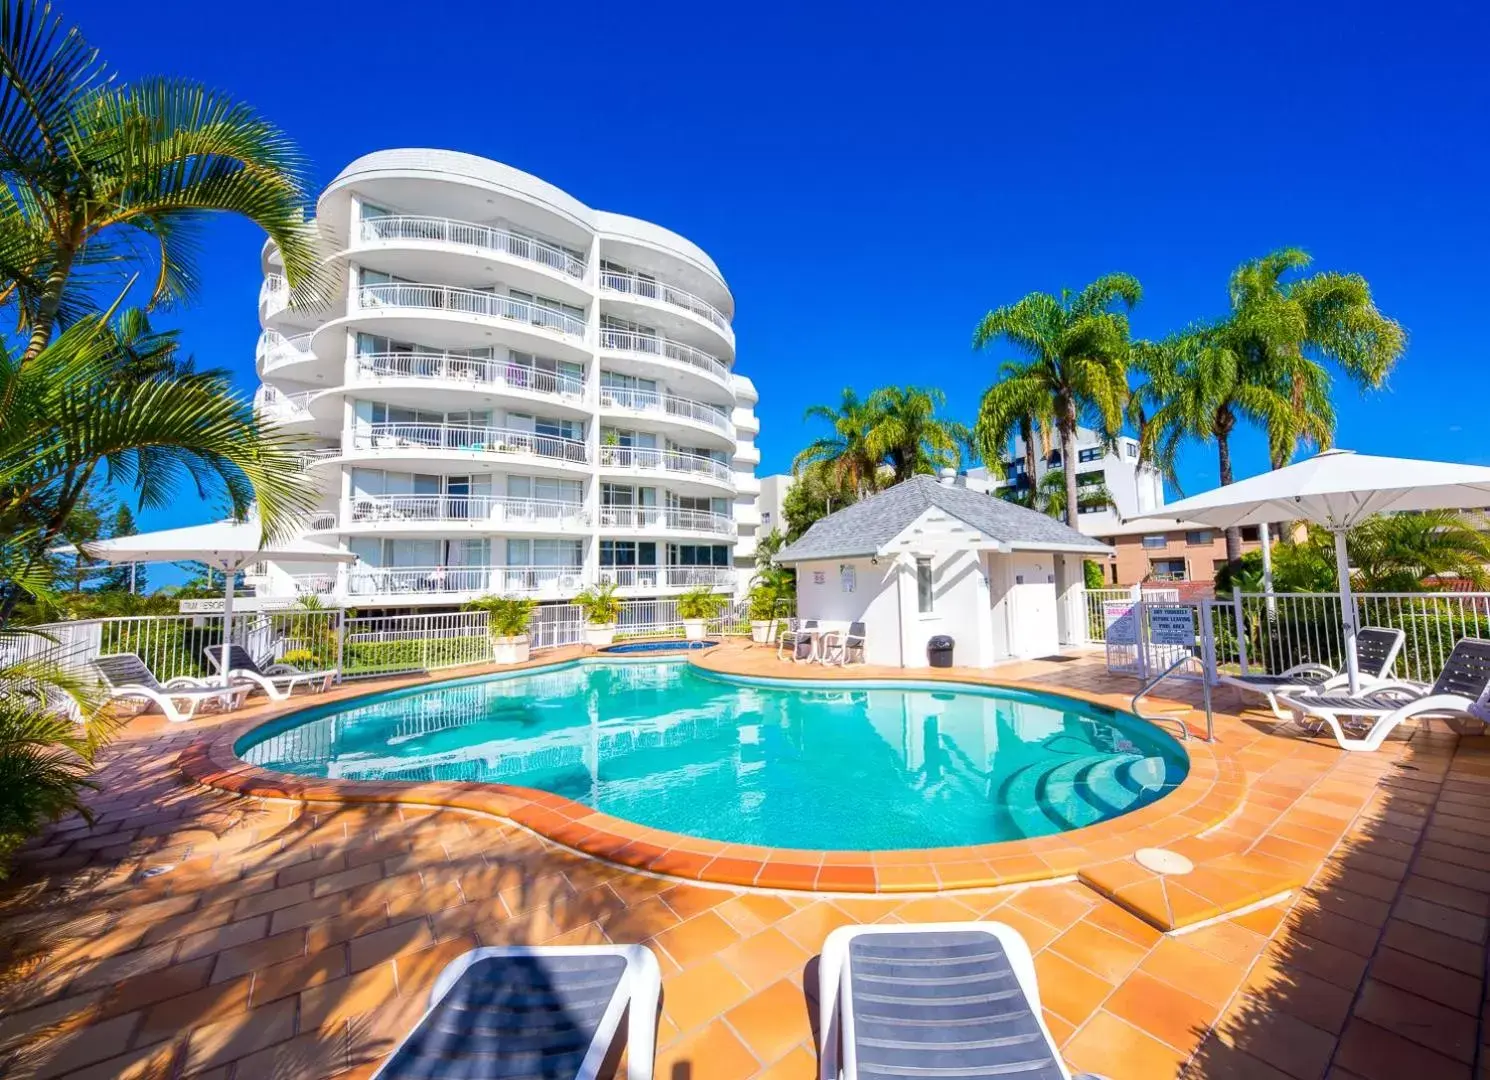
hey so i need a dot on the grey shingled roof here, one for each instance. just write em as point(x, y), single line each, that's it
point(867, 526)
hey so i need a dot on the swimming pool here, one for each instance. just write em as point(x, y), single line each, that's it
point(645, 647)
point(864, 766)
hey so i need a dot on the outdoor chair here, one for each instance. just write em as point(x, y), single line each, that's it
point(535, 1011)
point(1458, 691)
point(798, 635)
point(952, 1000)
point(277, 680)
point(125, 675)
point(1376, 651)
point(840, 646)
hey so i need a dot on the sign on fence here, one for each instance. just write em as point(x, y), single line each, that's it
point(1171, 635)
point(1120, 632)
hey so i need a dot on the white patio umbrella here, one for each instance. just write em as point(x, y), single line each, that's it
point(228, 546)
point(1337, 489)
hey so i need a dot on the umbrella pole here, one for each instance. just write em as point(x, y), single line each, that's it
point(1267, 568)
point(1347, 610)
point(227, 624)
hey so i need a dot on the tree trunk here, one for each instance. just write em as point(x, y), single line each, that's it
point(1031, 459)
point(1233, 534)
point(51, 303)
point(1068, 463)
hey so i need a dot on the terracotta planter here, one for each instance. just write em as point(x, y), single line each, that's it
point(510, 650)
point(600, 636)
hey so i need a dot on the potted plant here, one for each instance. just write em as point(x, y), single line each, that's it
point(763, 602)
point(602, 610)
point(609, 440)
point(696, 607)
point(507, 619)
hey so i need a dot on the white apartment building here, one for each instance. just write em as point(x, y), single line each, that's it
point(1136, 489)
point(505, 391)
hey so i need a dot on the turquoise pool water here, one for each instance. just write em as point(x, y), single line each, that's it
point(661, 744)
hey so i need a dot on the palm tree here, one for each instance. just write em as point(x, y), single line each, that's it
point(1029, 421)
point(1265, 364)
point(1050, 497)
point(1395, 552)
point(114, 395)
point(97, 175)
point(846, 453)
point(1074, 369)
point(906, 431)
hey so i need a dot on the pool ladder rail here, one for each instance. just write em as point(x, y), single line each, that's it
point(1163, 718)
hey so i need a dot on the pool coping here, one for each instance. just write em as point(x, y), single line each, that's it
point(1211, 792)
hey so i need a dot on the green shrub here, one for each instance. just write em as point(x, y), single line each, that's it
point(507, 616)
point(1092, 574)
point(701, 603)
point(600, 604)
point(364, 657)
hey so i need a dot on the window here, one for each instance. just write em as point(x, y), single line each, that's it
point(1250, 534)
point(1156, 540)
point(1197, 537)
point(1091, 453)
point(765, 519)
point(924, 593)
point(1168, 569)
point(1130, 451)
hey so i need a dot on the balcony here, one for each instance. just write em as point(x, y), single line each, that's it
point(486, 374)
point(272, 406)
point(461, 437)
point(676, 462)
point(669, 519)
point(667, 577)
point(446, 298)
point(480, 237)
point(308, 459)
point(552, 581)
point(663, 293)
point(626, 341)
point(276, 351)
point(485, 510)
point(681, 408)
point(274, 295)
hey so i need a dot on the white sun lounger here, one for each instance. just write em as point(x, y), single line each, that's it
point(125, 675)
point(950, 1000)
point(276, 680)
point(534, 1011)
point(1376, 651)
point(1459, 691)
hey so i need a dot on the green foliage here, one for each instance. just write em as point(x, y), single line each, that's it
point(905, 432)
point(600, 604)
point(1400, 552)
point(1073, 371)
point(302, 658)
point(45, 755)
point(123, 578)
point(507, 616)
point(701, 603)
point(816, 493)
point(1092, 575)
point(368, 657)
point(1263, 364)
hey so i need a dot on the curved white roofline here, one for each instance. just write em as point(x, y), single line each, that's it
point(454, 166)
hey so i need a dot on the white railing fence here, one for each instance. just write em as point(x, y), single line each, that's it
point(1097, 598)
point(370, 509)
point(652, 345)
point(469, 234)
point(652, 289)
point(468, 302)
point(453, 367)
point(470, 438)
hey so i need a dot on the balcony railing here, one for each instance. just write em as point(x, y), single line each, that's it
point(651, 459)
point(672, 577)
point(274, 294)
point(483, 372)
point(274, 349)
point(617, 397)
point(305, 459)
point(665, 517)
point(487, 509)
point(275, 406)
point(490, 440)
point(467, 234)
point(385, 580)
point(651, 289)
point(652, 345)
point(468, 302)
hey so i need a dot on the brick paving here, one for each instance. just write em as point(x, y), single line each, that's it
point(292, 940)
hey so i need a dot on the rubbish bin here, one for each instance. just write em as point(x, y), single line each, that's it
point(939, 651)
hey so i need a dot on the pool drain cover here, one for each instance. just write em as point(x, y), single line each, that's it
point(1161, 861)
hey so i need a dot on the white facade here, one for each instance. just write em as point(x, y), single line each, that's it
point(772, 502)
point(506, 391)
point(939, 577)
point(1136, 489)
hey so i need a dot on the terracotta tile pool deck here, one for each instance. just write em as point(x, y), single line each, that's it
point(1335, 924)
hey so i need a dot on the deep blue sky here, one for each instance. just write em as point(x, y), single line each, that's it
point(872, 178)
